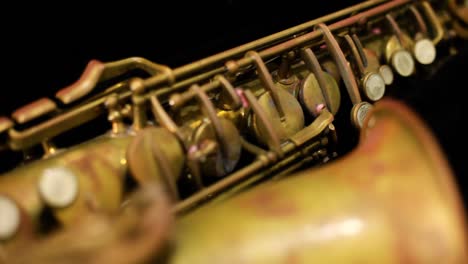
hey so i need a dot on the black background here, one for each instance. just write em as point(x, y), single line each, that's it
point(43, 51)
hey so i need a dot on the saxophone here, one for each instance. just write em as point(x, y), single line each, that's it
point(288, 149)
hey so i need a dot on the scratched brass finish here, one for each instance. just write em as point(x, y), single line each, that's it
point(363, 208)
point(237, 158)
point(216, 165)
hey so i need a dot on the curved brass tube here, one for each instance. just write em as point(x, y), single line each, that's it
point(391, 200)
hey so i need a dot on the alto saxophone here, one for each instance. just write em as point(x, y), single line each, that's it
point(288, 149)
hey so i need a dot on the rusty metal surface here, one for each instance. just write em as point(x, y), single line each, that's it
point(392, 200)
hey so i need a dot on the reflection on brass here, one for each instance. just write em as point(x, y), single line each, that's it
point(97, 72)
point(400, 59)
point(386, 73)
point(139, 104)
point(152, 161)
point(242, 156)
point(34, 110)
point(5, 125)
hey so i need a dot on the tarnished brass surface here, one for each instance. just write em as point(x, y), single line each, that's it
point(310, 94)
point(136, 233)
point(293, 116)
point(359, 113)
point(364, 208)
point(241, 151)
point(398, 56)
point(319, 89)
point(99, 167)
point(145, 163)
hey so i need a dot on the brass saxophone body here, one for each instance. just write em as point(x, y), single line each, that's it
point(238, 158)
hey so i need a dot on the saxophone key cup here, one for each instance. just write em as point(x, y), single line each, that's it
point(156, 155)
point(217, 164)
point(318, 89)
point(373, 86)
point(284, 77)
point(396, 50)
point(279, 106)
point(371, 82)
point(15, 225)
point(373, 65)
point(226, 156)
point(58, 187)
point(310, 93)
point(424, 50)
point(286, 126)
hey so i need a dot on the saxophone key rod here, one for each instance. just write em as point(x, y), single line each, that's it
point(269, 52)
point(64, 122)
point(179, 99)
point(303, 39)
